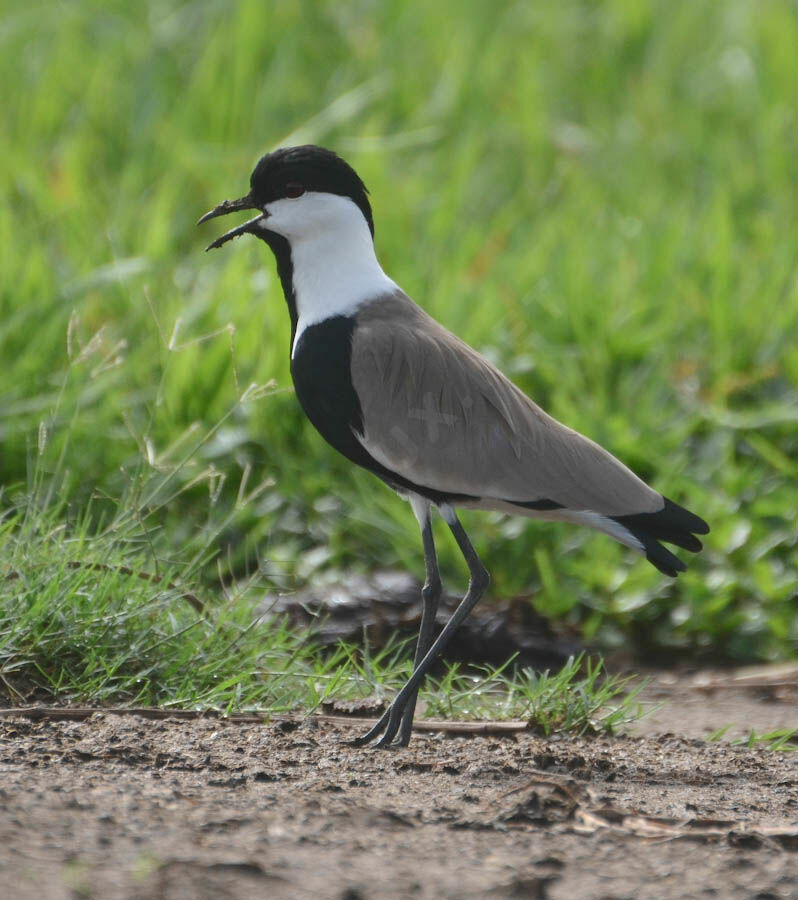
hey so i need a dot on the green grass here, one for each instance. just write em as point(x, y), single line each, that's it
point(581, 698)
point(599, 196)
point(80, 625)
point(779, 739)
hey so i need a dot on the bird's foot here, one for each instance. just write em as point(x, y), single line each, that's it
point(387, 726)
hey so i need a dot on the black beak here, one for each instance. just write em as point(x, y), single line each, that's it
point(233, 206)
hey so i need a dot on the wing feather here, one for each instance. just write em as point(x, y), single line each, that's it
point(442, 416)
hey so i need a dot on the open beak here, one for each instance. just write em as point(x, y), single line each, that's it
point(230, 206)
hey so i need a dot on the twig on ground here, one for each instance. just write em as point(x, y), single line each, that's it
point(77, 713)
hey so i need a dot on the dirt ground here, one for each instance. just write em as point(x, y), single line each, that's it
point(122, 806)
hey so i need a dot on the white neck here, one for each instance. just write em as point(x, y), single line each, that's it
point(332, 253)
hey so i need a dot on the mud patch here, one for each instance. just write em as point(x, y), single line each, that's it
point(123, 806)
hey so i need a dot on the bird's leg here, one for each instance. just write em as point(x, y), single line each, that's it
point(430, 596)
point(389, 722)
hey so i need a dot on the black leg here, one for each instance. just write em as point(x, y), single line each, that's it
point(389, 722)
point(430, 596)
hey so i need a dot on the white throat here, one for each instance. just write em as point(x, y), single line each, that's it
point(332, 253)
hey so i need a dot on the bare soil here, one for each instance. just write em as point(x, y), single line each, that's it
point(122, 806)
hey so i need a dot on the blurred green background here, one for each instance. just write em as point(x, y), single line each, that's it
point(601, 196)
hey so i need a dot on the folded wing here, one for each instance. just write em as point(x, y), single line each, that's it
point(439, 414)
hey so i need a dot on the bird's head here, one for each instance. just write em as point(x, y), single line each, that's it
point(298, 192)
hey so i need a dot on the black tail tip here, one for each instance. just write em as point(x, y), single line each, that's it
point(673, 524)
point(683, 518)
point(661, 558)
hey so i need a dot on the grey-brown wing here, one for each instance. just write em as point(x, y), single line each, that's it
point(439, 414)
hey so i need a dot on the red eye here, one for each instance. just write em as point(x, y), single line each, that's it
point(294, 189)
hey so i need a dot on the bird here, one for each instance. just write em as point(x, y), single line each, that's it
point(398, 394)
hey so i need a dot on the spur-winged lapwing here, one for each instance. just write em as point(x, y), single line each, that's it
point(398, 394)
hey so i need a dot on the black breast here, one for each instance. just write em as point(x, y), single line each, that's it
point(321, 369)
